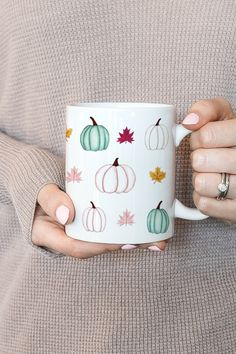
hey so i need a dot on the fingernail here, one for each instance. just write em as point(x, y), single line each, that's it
point(62, 214)
point(154, 248)
point(191, 118)
point(128, 247)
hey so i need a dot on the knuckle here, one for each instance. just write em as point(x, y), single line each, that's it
point(203, 204)
point(209, 106)
point(47, 194)
point(194, 141)
point(225, 102)
point(227, 111)
point(199, 183)
point(206, 104)
point(206, 135)
point(197, 159)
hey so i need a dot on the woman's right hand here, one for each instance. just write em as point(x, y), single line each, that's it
point(54, 210)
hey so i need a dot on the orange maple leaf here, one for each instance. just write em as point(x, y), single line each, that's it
point(157, 175)
point(68, 133)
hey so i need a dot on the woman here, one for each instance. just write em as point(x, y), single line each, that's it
point(60, 295)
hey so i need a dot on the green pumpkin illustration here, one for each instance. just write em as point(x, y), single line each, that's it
point(158, 220)
point(94, 137)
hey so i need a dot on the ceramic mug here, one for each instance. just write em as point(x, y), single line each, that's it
point(120, 172)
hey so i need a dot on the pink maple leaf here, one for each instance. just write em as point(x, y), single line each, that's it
point(126, 219)
point(74, 175)
point(126, 136)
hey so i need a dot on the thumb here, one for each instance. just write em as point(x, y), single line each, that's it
point(56, 203)
point(205, 111)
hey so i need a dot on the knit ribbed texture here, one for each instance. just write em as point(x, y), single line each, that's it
point(25, 170)
point(54, 53)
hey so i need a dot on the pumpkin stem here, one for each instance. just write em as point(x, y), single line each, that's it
point(93, 206)
point(158, 207)
point(93, 120)
point(115, 163)
point(157, 123)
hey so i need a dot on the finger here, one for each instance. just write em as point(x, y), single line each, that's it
point(48, 234)
point(206, 184)
point(56, 203)
point(225, 209)
point(214, 160)
point(154, 246)
point(204, 111)
point(214, 134)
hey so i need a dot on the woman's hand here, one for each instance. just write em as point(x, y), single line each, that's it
point(56, 209)
point(213, 143)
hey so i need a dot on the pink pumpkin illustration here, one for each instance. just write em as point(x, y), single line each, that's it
point(94, 219)
point(115, 178)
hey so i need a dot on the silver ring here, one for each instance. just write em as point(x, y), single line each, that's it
point(223, 186)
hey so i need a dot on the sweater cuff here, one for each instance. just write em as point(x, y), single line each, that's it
point(28, 171)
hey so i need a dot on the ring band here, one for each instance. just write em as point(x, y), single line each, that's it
point(223, 186)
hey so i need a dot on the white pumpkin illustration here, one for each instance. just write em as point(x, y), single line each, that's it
point(156, 136)
point(115, 178)
point(94, 219)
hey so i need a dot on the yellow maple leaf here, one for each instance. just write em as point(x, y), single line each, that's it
point(157, 175)
point(68, 133)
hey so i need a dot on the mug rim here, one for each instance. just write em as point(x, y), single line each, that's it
point(121, 105)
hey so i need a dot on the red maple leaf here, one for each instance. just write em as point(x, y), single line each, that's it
point(126, 136)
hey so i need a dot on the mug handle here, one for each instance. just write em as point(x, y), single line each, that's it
point(180, 210)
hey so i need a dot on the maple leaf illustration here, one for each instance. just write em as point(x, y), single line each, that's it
point(157, 175)
point(68, 133)
point(126, 136)
point(74, 175)
point(126, 219)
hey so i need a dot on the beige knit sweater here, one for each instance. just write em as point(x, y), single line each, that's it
point(53, 53)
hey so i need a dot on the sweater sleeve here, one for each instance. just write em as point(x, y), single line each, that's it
point(24, 170)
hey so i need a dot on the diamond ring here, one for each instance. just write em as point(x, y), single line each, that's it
point(223, 186)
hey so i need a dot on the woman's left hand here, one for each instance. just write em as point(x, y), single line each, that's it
point(213, 145)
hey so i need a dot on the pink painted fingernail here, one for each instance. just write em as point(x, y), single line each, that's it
point(128, 247)
point(191, 118)
point(154, 248)
point(62, 214)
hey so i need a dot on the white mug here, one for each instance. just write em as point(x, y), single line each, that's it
point(120, 172)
